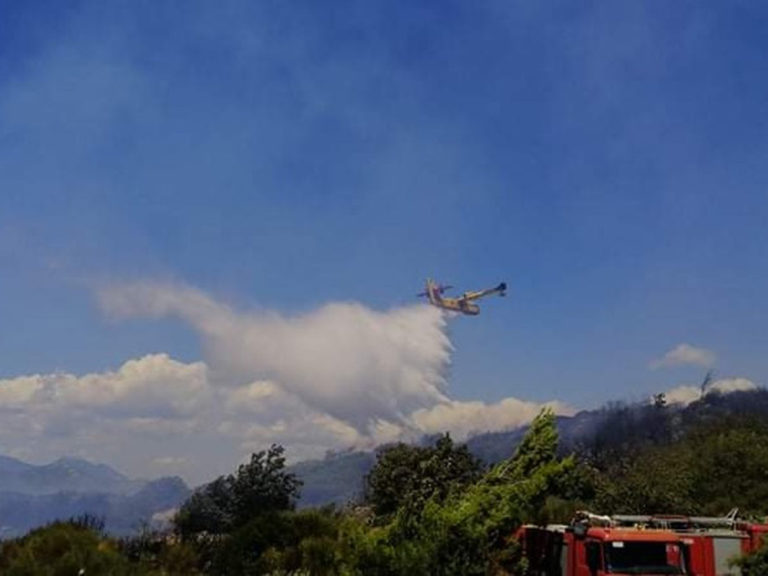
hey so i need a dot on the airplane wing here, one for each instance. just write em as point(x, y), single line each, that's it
point(469, 296)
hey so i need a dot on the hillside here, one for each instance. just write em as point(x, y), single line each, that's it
point(337, 479)
point(615, 427)
point(32, 495)
point(63, 475)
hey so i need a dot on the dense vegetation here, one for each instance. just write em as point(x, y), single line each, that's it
point(435, 509)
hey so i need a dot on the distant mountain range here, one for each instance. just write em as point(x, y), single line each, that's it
point(338, 478)
point(32, 495)
point(63, 475)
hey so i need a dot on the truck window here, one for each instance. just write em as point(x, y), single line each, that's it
point(593, 556)
point(644, 558)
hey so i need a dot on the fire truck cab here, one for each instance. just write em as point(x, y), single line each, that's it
point(594, 545)
point(712, 541)
point(596, 551)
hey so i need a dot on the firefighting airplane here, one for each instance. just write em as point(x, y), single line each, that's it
point(434, 292)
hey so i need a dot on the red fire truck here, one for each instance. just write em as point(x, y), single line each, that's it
point(712, 541)
point(594, 545)
point(581, 550)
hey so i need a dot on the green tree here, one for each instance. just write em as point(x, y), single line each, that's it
point(64, 548)
point(411, 475)
point(282, 543)
point(157, 555)
point(713, 468)
point(730, 463)
point(209, 509)
point(537, 448)
point(471, 531)
point(755, 563)
point(261, 486)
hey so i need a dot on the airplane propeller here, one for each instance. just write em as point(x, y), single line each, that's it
point(440, 288)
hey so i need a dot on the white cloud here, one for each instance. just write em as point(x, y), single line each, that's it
point(18, 392)
point(123, 417)
point(341, 376)
point(687, 394)
point(154, 385)
point(685, 354)
point(728, 385)
point(353, 363)
point(683, 395)
point(465, 418)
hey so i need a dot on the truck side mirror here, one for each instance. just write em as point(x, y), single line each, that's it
point(580, 530)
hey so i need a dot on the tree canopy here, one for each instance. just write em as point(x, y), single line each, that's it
point(713, 468)
point(405, 474)
point(259, 487)
point(63, 548)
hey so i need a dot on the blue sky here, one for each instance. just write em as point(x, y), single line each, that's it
point(606, 159)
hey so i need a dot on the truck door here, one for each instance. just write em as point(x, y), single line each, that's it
point(594, 558)
point(698, 559)
point(582, 554)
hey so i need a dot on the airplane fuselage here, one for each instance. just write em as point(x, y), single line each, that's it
point(461, 305)
point(456, 305)
point(465, 304)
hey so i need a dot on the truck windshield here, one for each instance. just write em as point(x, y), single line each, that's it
point(644, 558)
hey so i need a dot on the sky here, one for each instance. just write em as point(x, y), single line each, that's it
point(215, 217)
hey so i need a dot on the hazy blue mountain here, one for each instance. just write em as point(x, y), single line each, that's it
point(492, 447)
point(32, 495)
point(123, 514)
point(10, 466)
point(63, 475)
point(337, 479)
